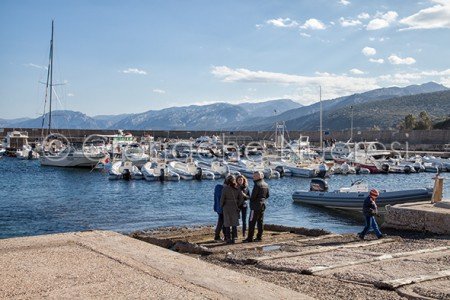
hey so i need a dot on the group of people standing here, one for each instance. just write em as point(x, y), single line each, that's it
point(231, 202)
point(233, 198)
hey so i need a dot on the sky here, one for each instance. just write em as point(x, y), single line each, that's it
point(114, 57)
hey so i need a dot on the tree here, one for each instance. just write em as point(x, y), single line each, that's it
point(424, 122)
point(410, 122)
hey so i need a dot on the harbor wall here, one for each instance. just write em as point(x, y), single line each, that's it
point(431, 139)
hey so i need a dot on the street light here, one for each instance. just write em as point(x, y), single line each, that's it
point(351, 123)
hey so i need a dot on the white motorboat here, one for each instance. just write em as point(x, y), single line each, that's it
point(154, 171)
point(301, 170)
point(124, 170)
point(14, 140)
point(27, 153)
point(70, 157)
point(247, 168)
point(443, 165)
point(343, 169)
point(218, 168)
point(189, 171)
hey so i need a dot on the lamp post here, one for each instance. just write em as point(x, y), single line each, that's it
point(351, 123)
point(320, 100)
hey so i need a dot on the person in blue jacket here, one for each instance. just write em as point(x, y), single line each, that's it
point(370, 210)
point(218, 209)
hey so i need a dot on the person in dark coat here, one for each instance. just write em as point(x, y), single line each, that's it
point(370, 210)
point(258, 198)
point(230, 201)
point(243, 186)
point(218, 209)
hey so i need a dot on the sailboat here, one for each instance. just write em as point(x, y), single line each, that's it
point(69, 156)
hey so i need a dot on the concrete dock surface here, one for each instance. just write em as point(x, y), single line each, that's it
point(104, 264)
point(419, 216)
point(323, 265)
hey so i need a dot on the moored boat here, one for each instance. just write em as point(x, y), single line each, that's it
point(154, 171)
point(352, 198)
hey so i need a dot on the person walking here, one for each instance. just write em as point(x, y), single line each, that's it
point(370, 210)
point(258, 198)
point(243, 187)
point(230, 201)
point(218, 209)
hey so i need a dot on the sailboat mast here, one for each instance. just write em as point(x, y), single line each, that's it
point(51, 83)
point(320, 100)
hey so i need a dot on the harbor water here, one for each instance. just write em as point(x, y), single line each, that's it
point(41, 200)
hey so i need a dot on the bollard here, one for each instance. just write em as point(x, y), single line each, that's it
point(438, 188)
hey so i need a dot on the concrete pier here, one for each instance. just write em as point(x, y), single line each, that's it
point(104, 264)
point(425, 217)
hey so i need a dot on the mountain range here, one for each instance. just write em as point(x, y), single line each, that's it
point(383, 107)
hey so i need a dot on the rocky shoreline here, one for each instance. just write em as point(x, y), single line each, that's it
point(324, 265)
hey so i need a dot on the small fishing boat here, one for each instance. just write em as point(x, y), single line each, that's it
point(218, 168)
point(27, 153)
point(124, 170)
point(154, 171)
point(247, 168)
point(352, 198)
point(190, 170)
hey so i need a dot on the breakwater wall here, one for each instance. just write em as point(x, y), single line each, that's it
point(429, 139)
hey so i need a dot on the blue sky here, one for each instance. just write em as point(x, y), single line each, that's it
point(132, 56)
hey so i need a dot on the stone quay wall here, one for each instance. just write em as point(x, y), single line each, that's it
point(430, 139)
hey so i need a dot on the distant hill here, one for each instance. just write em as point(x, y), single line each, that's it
point(387, 113)
point(108, 121)
point(61, 119)
point(269, 108)
point(9, 122)
point(194, 117)
point(347, 101)
point(262, 115)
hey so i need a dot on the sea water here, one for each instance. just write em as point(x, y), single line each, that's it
point(41, 200)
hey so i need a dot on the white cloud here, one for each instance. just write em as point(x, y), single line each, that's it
point(280, 22)
point(134, 71)
point(356, 71)
point(344, 2)
point(437, 16)
point(445, 81)
point(363, 16)
point(349, 22)
point(35, 66)
point(382, 21)
point(332, 85)
point(313, 24)
point(70, 95)
point(378, 61)
point(258, 26)
point(396, 60)
point(159, 91)
point(305, 35)
point(368, 51)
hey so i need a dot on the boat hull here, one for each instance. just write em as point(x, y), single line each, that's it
point(354, 200)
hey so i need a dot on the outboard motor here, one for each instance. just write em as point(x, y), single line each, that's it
point(198, 175)
point(407, 169)
point(385, 168)
point(30, 154)
point(322, 172)
point(318, 185)
point(126, 175)
point(280, 170)
point(161, 174)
